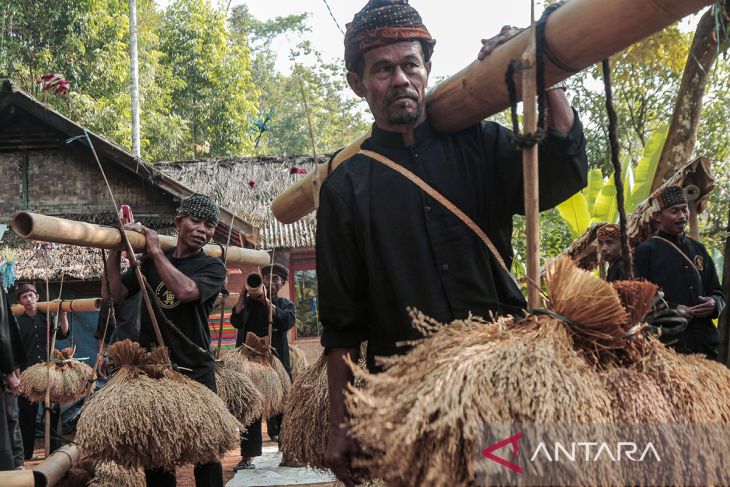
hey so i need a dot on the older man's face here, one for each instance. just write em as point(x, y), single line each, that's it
point(393, 82)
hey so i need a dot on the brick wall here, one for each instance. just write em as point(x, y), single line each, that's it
point(65, 181)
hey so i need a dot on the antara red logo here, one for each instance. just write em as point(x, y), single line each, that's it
point(512, 440)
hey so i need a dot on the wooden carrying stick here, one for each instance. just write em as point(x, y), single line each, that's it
point(87, 305)
point(579, 34)
point(530, 174)
point(59, 230)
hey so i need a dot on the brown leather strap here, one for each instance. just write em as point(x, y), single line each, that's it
point(441, 199)
point(680, 252)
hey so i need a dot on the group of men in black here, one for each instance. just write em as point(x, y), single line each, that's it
point(384, 244)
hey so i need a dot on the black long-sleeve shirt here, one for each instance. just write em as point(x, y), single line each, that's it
point(33, 335)
point(683, 283)
point(12, 354)
point(383, 245)
point(254, 317)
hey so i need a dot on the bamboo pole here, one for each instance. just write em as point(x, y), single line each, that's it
point(579, 34)
point(531, 188)
point(55, 467)
point(59, 230)
point(87, 305)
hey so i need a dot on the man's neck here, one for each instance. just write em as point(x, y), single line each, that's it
point(407, 131)
point(31, 312)
point(182, 251)
point(670, 235)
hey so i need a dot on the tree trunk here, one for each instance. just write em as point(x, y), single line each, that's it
point(724, 322)
point(134, 77)
point(683, 129)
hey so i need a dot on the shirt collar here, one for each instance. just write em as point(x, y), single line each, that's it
point(424, 133)
point(672, 238)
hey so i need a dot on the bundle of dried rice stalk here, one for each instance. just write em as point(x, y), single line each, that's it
point(637, 398)
point(266, 372)
point(597, 318)
point(298, 361)
point(243, 399)
point(306, 416)
point(637, 298)
point(148, 416)
point(66, 377)
point(421, 422)
point(698, 388)
point(109, 474)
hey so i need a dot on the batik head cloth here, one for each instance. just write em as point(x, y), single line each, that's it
point(26, 287)
point(201, 206)
point(609, 230)
point(383, 22)
point(667, 197)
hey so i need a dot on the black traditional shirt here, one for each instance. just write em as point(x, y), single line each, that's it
point(684, 279)
point(254, 317)
point(615, 271)
point(33, 335)
point(191, 318)
point(383, 245)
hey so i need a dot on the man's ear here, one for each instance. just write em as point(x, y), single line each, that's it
point(355, 82)
point(178, 221)
point(428, 67)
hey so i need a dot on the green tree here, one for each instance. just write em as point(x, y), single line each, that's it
point(212, 86)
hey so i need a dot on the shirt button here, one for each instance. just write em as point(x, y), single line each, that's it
point(445, 267)
point(428, 208)
point(691, 288)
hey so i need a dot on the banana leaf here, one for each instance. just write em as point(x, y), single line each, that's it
point(646, 168)
point(605, 209)
point(595, 183)
point(574, 211)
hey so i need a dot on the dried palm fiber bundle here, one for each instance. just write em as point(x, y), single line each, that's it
point(298, 361)
point(242, 398)
point(305, 428)
point(266, 372)
point(422, 421)
point(149, 416)
point(66, 377)
point(637, 298)
point(110, 474)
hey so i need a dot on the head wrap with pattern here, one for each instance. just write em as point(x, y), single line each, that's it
point(201, 206)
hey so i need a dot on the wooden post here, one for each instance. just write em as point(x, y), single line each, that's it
point(530, 173)
point(694, 221)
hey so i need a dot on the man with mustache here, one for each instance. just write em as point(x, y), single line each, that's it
point(384, 245)
point(684, 270)
point(185, 283)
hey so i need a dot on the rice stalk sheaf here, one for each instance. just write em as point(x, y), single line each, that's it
point(66, 377)
point(266, 372)
point(422, 420)
point(148, 416)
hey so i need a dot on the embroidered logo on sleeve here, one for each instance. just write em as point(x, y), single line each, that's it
point(699, 263)
point(165, 297)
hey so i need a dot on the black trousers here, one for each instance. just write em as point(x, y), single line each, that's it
point(251, 443)
point(6, 447)
point(27, 412)
point(206, 474)
point(16, 439)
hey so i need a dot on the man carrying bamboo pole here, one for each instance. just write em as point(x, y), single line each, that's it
point(385, 244)
point(34, 337)
point(185, 284)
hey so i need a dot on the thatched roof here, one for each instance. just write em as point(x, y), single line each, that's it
point(248, 185)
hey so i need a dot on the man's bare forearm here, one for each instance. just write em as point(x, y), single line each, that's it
point(560, 114)
point(338, 376)
point(117, 289)
point(181, 285)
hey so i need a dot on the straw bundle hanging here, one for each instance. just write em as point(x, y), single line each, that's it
point(298, 361)
point(66, 377)
point(242, 398)
point(305, 429)
point(266, 372)
point(109, 474)
point(422, 420)
point(148, 416)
